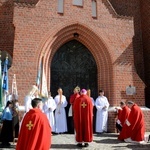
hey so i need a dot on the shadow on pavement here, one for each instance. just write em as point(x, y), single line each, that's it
point(108, 141)
point(106, 135)
point(139, 146)
point(133, 147)
point(65, 146)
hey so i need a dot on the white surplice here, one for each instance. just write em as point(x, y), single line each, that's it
point(93, 102)
point(28, 100)
point(102, 114)
point(60, 114)
point(28, 106)
point(48, 108)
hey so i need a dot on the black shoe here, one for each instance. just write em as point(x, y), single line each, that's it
point(86, 144)
point(79, 145)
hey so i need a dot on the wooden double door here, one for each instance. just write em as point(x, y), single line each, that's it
point(73, 65)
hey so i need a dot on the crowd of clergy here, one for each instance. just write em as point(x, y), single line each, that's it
point(54, 108)
point(130, 122)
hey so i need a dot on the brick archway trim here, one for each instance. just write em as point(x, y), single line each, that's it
point(53, 40)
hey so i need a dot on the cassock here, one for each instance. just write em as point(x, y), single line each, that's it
point(60, 114)
point(35, 132)
point(83, 119)
point(122, 116)
point(101, 114)
point(118, 123)
point(134, 127)
point(48, 108)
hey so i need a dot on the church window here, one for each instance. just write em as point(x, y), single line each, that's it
point(60, 6)
point(78, 2)
point(94, 8)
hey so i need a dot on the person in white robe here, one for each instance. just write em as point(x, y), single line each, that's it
point(102, 106)
point(33, 93)
point(48, 108)
point(60, 113)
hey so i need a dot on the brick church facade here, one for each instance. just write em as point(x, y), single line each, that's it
point(115, 32)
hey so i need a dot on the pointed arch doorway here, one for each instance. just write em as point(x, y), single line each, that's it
point(73, 65)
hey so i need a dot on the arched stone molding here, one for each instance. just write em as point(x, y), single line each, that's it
point(92, 41)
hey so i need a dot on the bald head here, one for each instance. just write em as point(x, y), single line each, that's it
point(130, 103)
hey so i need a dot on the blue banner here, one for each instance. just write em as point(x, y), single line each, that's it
point(5, 76)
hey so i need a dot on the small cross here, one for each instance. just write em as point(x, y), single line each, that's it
point(83, 104)
point(29, 125)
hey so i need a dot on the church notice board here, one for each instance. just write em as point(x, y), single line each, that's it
point(130, 90)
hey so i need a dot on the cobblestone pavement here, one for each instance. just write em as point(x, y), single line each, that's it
point(107, 141)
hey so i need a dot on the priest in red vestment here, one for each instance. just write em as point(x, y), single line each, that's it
point(134, 128)
point(123, 114)
point(73, 97)
point(83, 119)
point(35, 132)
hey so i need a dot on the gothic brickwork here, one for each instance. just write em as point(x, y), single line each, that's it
point(6, 26)
point(113, 37)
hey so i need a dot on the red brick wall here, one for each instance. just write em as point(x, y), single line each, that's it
point(6, 27)
point(39, 29)
point(112, 117)
point(147, 120)
point(131, 8)
point(114, 39)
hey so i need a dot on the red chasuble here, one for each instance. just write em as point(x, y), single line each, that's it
point(35, 132)
point(83, 119)
point(123, 114)
point(135, 127)
point(73, 97)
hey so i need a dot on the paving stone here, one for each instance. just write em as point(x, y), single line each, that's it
point(106, 141)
